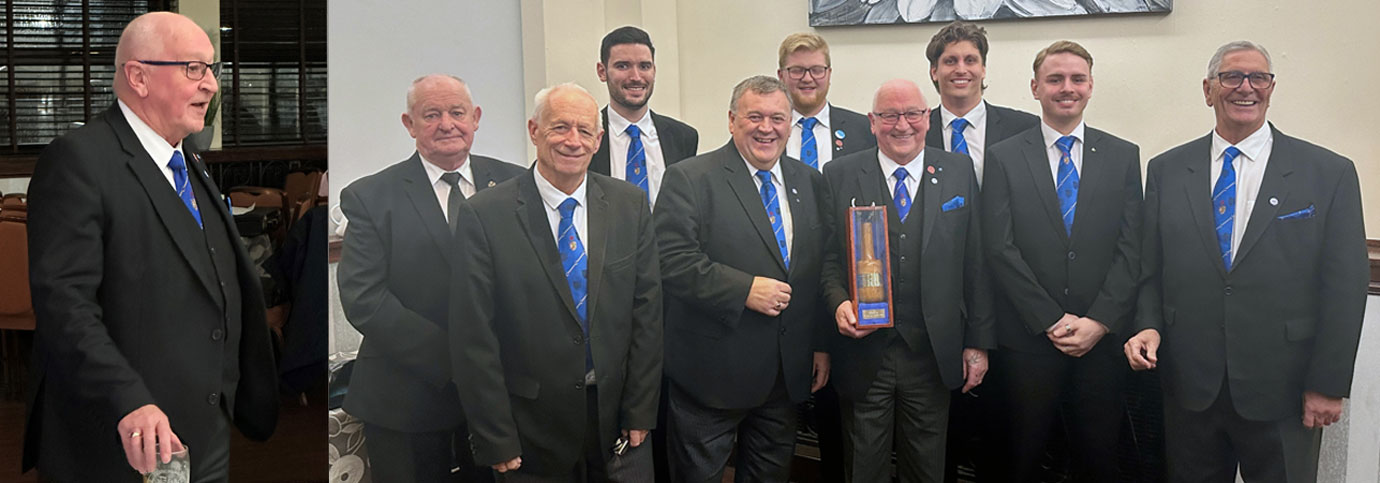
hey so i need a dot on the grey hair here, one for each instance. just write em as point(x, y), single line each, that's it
point(1239, 45)
point(759, 84)
point(540, 99)
point(412, 89)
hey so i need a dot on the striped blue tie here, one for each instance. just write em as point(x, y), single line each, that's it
point(1224, 204)
point(773, 207)
point(637, 160)
point(184, 185)
point(575, 263)
point(1067, 187)
point(957, 141)
point(902, 194)
point(809, 152)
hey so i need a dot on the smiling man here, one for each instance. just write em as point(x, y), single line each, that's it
point(150, 317)
point(1061, 220)
point(638, 143)
point(819, 130)
point(1255, 286)
point(742, 231)
point(394, 280)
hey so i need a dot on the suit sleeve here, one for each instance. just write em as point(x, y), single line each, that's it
point(687, 273)
point(642, 388)
point(1037, 310)
point(1116, 300)
point(834, 277)
point(476, 362)
point(1341, 291)
point(371, 307)
point(1149, 302)
point(979, 329)
point(66, 229)
point(825, 328)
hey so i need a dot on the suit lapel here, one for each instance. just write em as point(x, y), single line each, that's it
point(177, 220)
point(531, 214)
point(801, 197)
point(601, 161)
point(1037, 160)
point(931, 184)
point(483, 174)
point(597, 216)
point(740, 181)
point(994, 128)
point(1095, 177)
point(423, 197)
point(1273, 186)
point(935, 137)
point(668, 143)
point(1198, 189)
point(872, 187)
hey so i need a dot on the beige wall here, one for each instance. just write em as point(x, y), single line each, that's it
point(1147, 72)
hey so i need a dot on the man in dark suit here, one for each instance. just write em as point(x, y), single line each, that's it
point(627, 64)
point(394, 279)
point(896, 384)
point(1061, 226)
point(556, 312)
point(742, 232)
point(151, 321)
point(1255, 286)
point(958, 69)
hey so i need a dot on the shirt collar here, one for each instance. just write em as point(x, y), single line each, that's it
point(434, 172)
point(775, 169)
point(154, 145)
point(553, 197)
point(975, 117)
point(822, 117)
point(1253, 146)
point(1051, 136)
point(889, 165)
point(618, 126)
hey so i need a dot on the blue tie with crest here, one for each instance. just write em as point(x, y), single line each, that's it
point(773, 206)
point(1224, 204)
point(809, 152)
point(957, 141)
point(902, 194)
point(184, 185)
point(637, 161)
point(1067, 187)
point(576, 264)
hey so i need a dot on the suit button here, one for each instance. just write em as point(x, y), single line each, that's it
point(1072, 255)
point(213, 399)
point(783, 330)
point(903, 258)
point(1066, 290)
point(217, 334)
point(579, 386)
point(903, 236)
point(577, 340)
point(213, 251)
point(222, 284)
point(1227, 290)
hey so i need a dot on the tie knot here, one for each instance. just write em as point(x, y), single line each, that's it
point(809, 123)
point(567, 207)
point(900, 174)
point(177, 163)
point(452, 178)
point(1231, 154)
point(1065, 144)
point(633, 131)
point(764, 175)
point(959, 124)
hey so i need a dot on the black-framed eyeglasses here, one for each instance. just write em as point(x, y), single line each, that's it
point(1233, 79)
point(195, 69)
point(911, 116)
point(799, 72)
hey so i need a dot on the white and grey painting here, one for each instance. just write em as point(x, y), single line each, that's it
point(860, 12)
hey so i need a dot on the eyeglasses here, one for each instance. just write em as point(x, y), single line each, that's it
point(799, 72)
point(1233, 79)
point(911, 116)
point(195, 69)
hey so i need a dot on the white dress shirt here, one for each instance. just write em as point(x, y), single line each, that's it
point(824, 142)
point(442, 189)
point(913, 171)
point(1250, 171)
point(157, 147)
point(1053, 153)
point(553, 197)
point(975, 135)
point(782, 199)
point(651, 143)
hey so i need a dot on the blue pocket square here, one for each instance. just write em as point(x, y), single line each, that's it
point(953, 204)
point(1303, 214)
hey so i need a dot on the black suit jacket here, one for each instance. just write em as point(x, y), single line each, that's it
point(394, 279)
point(1002, 123)
point(1287, 317)
point(1046, 272)
point(678, 141)
point(128, 308)
point(857, 132)
point(953, 291)
point(518, 350)
point(714, 238)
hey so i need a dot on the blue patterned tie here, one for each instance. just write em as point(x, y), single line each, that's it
point(809, 153)
point(773, 207)
point(184, 185)
point(637, 160)
point(957, 142)
point(1224, 204)
point(1067, 187)
point(902, 194)
point(575, 263)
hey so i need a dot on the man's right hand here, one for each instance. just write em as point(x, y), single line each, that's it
point(509, 465)
point(1142, 350)
point(140, 430)
point(848, 321)
point(768, 296)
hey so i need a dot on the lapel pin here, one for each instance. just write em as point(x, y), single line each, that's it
point(934, 180)
point(491, 183)
point(930, 168)
point(794, 192)
point(840, 134)
point(1274, 201)
point(1092, 149)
